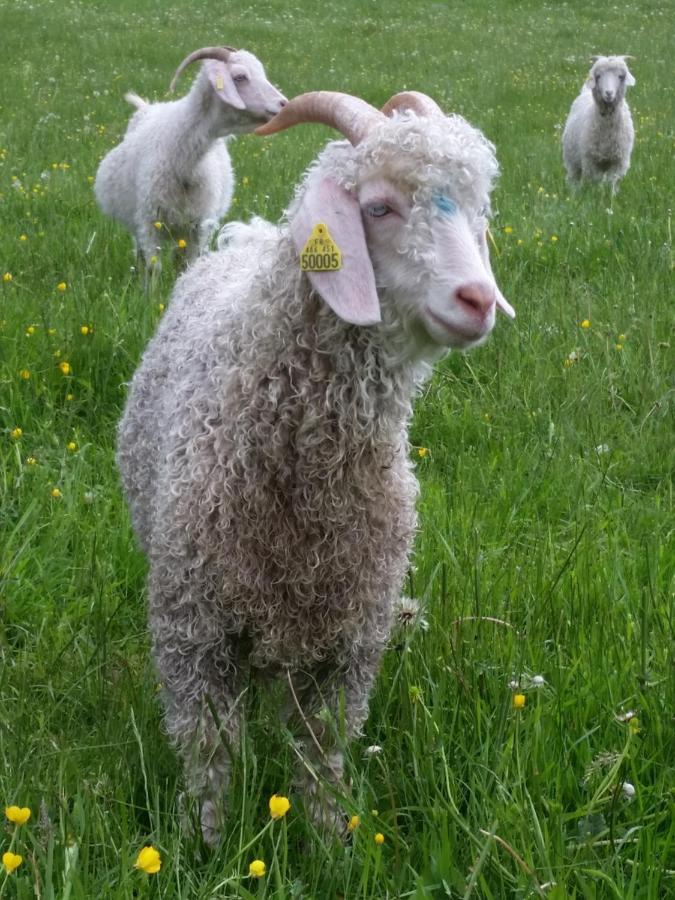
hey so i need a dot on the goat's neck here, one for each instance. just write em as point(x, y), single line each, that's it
point(202, 120)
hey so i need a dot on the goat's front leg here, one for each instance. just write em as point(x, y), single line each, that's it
point(203, 682)
point(327, 703)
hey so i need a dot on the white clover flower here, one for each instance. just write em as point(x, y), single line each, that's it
point(538, 681)
point(514, 684)
point(373, 750)
point(628, 790)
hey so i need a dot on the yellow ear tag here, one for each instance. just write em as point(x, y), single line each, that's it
point(220, 84)
point(320, 253)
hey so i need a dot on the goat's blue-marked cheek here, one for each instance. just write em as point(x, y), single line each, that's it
point(447, 206)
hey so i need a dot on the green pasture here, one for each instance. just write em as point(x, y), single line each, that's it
point(545, 545)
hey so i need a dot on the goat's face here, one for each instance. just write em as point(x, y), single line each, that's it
point(608, 79)
point(430, 259)
point(242, 84)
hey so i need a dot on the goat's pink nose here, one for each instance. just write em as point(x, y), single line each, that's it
point(476, 299)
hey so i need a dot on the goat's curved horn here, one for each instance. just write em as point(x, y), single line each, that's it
point(349, 115)
point(221, 53)
point(415, 101)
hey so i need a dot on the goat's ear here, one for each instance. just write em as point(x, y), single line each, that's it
point(630, 81)
point(349, 291)
point(223, 85)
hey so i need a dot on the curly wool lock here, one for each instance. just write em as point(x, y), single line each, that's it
point(264, 446)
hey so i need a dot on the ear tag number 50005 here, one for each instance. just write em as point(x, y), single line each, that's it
point(320, 253)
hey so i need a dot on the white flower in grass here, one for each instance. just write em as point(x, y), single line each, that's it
point(373, 750)
point(514, 684)
point(538, 681)
point(627, 716)
point(628, 790)
point(407, 612)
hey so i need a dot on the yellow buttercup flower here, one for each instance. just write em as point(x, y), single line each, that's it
point(379, 838)
point(518, 701)
point(25, 374)
point(153, 260)
point(72, 446)
point(279, 806)
point(65, 367)
point(422, 452)
point(182, 244)
point(11, 861)
point(158, 225)
point(31, 461)
point(84, 329)
point(586, 323)
point(256, 869)
point(7, 276)
point(56, 493)
point(508, 230)
point(19, 815)
point(149, 860)
point(23, 237)
point(61, 286)
point(354, 823)
point(16, 433)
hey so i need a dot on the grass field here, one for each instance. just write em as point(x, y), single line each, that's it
point(546, 514)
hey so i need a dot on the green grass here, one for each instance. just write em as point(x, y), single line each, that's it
point(546, 498)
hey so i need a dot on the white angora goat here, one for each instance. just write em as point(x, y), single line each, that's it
point(172, 167)
point(598, 136)
point(264, 447)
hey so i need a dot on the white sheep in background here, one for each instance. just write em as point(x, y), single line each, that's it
point(264, 446)
point(173, 167)
point(598, 136)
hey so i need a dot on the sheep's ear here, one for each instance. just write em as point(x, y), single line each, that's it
point(350, 290)
point(223, 85)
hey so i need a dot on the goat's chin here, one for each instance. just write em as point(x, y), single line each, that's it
point(454, 335)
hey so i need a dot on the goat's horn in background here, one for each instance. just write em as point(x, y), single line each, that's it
point(221, 53)
point(349, 115)
point(415, 101)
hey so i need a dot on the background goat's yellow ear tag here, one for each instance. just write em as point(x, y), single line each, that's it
point(220, 84)
point(320, 253)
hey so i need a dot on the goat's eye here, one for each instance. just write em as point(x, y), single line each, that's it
point(378, 210)
point(622, 76)
point(238, 79)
